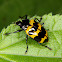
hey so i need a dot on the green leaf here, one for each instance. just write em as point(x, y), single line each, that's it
point(13, 46)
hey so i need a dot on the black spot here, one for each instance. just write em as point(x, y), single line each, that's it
point(42, 29)
point(31, 31)
point(40, 35)
point(37, 39)
point(35, 26)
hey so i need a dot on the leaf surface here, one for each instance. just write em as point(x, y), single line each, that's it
point(13, 46)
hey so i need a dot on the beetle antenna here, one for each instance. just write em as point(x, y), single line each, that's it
point(23, 17)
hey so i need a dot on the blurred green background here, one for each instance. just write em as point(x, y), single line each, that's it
point(10, 10)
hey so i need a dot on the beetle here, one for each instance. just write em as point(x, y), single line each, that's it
point(33, 29)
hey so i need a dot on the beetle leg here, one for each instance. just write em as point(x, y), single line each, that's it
point(13, 32)
point(45, 46)
point(27, 44)
point(38, 19)
point(48, 47)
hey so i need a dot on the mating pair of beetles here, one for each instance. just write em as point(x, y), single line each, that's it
point(33, 29)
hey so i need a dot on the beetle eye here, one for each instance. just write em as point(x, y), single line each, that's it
point(18, 23)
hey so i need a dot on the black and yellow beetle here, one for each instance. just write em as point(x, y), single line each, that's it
point(33, 29)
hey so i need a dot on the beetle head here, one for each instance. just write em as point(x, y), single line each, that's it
point(19, 23)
